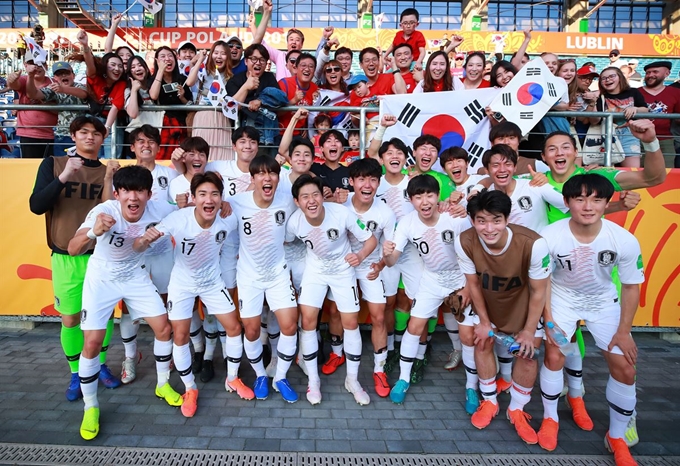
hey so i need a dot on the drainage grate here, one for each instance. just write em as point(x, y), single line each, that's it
point(164, 457)
point(330, 459)
point(53, 454)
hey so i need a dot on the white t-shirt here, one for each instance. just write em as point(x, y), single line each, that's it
point(285, 183)
point(235, 181)
point(395, 197)
point(471, 181)
point(528, 204)
point(582, 274)
point(380, 221)
point(262, 233)
point(197, 251)
point(179, 185)
point(434, 245)
point(113, 257)
point(327, 244)
point(162, 177)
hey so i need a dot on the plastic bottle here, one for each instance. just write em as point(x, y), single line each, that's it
point(560, 338)
point(267, 113)
point(509, 342)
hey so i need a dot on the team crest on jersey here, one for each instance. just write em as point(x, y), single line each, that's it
point(447, 236)
point(220, 236)
point(83, 315)
point(333, 234)
point(405, 194)
point(525, 203)
point(151, 225)
point(57, 301)
point(163, 181)
point(371, 225)
point(280, 217)
point(606, 257)
point(345, 182)
point(169, 307)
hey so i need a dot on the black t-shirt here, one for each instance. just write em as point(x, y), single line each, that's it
point(172, 98)
point(334, 179)
point(621, 101)
point(236, 82)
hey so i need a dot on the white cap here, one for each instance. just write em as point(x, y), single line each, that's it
point(185, 44)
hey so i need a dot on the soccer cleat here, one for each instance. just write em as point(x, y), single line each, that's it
point(73, 391)
point(190, 403)
point(334, 361)
point(167, 393)
point(261, 388)
point(622, 456)
point(197, 363)
point(354, 387)
point(301, 362)
point(503, 385)
point(471, 401)
point(314, 393)
point(485, 413)
point(382, 386)
point(392, 361)
point(207, 371)
point(283, 387)
point(89, 428)
point(428, 354)
point(631, 436)
point(398, 392)
point(455, 357)
point(128, 372)
point(271, 367)
point(579, 413)
point(417, 371)
point(565, 390)
point(547, 434)
point(520, 420)
point(240, 388)
point(107, 378)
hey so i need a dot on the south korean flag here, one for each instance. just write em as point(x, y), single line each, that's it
point(457, 118)
point(185, 68)
point(529, 95)
point(329, 98)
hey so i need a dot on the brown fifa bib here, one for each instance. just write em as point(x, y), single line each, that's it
point(80, 195)
point(504, 278)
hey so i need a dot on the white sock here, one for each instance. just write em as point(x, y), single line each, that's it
point(273, 332)
point(337, 344)
point(451, 325)
point(487, 387)
point(88, 372)
point(195, 333)
point(422, 348)
point(622, 400)
point(409, 349)
point(286, 353)
point(552, 383)
point(128, 333)
point(573, 366)
point(390, 341)
point(471, 377)
point(519, 396)
point(504, 361)
point(309, 347)
point(162, 351)
point(182, 357)
point(379, 361)
point(353, 351)
point(254, 353)
point(211, 335)
point(234, 354)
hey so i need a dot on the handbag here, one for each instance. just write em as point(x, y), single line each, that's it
point(593, 149)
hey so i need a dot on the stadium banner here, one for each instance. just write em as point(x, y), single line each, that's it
point(562, 43)
point(26, 287)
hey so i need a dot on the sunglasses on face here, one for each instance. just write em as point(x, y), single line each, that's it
point(292, 61)
point(235, 46)
point(333, 69)
point(613, 55)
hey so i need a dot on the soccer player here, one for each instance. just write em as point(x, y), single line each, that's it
point(262, 272)
point(330, 264)
point(433, 235)
point(333, 174)
point(116, 272)
point(426, 152)
point(507, 268)
point(454, 162)
point(584, 250)
point(66, 189)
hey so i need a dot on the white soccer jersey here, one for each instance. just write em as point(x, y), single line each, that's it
point(162, 176)
point(434, 245)
point(179, 185)
point(582, 274)
point(529, 204)
point(262, 233)
point(395, 197)
point(235, 181)
point(113, 257)
point(471, 181)
point(380, 221)
point(285, 183)
point(327, 244)
point(197, 251)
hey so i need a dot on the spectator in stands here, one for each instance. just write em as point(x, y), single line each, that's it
point(62, 91)
point(124, 52)
point(408, 21)
point(291, 61)
point(585, 98)
point(628, 72)
point(457, 69)
point(551, 61)
point(333, 81)
point(501, 73)
point(566, 69)
point(488, 65)
point(474, 71)
point(294, 41)
point(34, 127)
point(169, 88)
point(137, 96)
point(437, 77)
point(403, 58)
point(635, 75)
point(300, 90)
point(615, 59)
point(238, 63)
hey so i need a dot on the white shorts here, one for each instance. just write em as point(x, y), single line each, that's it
point(101, 296)
point(297, 269)
point(228, 259)
point(372, 291)
point(279, 293)
point(602, 323)
point(471, 318)
point(409, 268)
point(216, 298)
point(159, 267)
point(344, 287)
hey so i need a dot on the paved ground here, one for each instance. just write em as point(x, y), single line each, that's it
point(34, 411)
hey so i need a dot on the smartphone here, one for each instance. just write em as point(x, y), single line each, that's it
point(172, 87)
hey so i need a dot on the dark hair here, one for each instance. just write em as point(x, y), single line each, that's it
point(291, 52)
point(353, 132)
point(149, 131)
point(133, 178)
point(366, 167)
point(342, 83)
point(264, 163)
point(505, 129)
point(453, 153)
point(506, 65)
point(78, 123)
point(147, 80)
point(300, 141)
point(247, 131)
point(103, 63)
point(402, 45)
point(422, 184)
point(475, 54)
point(304, 180)
point(195, 144)
point(321, 117)
point(210, 67)
point(396, 143)
point(503, 150)
point(343, 50)
point(248, 52)
point(493, 202)
point(176, 75)
point(623, 82)
point(366, 50)
point(526, 55)
point(410, 12)
point(591, 183)
point(571, 137)
point(305, 56)
point(207, 177)
point(295, 31)
point(428, 82)
point(125, 47)
point(427, 139)
point(333, 132)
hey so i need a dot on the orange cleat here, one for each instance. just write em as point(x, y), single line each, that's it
point(484, 414)
point(382, 386)
point(520, 420)
point(190, 403)
point(334, 361)
point(622, 456)
point(579, 413)
point(503, 385)
point(240, 388)
point(547, 434)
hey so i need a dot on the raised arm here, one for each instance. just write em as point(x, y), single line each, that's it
point(87, 53)
point(453, 44)
point(267, 9)
point(374, 147)
point(287, 138)
point(110, 37)
point(517, 61)
point(193, 74)
point(32, 92)
point(654, 172)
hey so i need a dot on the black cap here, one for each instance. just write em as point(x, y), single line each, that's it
point(660, 64)
point(615, 52)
